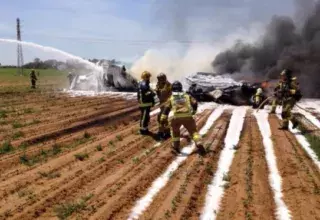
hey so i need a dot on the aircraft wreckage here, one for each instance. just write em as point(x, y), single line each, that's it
point(206, 87)
point(113, 78)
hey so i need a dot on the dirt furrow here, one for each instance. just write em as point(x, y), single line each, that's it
point(73, 174)
point(133, 185)
point(178, 200)
point(9, 166)
point(248, 194)
point(55, 124)
point(80, 124)
point(300, 177)
point(64, 160)
point(57, 111)
point(72, 187)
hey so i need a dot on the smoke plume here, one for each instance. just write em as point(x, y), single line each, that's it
point(190, 30)
point(287, 43)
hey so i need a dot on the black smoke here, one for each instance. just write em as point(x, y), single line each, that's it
point(285, 44)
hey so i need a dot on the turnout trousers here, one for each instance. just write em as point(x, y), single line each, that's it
point(33, 84)
point(286, 114)
point(187, 122)
point(163, 126)
point(144, 119)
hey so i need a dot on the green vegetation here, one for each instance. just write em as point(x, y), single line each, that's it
point(227, 179)
point(119, 137)
point(6, 148)
point(86, 135)
point(81, 156)
point(99, 147)
point(50, 175)
point(17, 135)
point(3, 114)
point(49, 78)
point(63, 211)
point(313, 140)
point(41, 156)
point(28, 110)
point(17, 124)
point(101, 160)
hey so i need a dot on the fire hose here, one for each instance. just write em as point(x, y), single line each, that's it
point(273, 96)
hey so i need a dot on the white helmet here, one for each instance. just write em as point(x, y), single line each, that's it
point(259, 91)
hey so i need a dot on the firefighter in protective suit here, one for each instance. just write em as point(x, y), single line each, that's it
point(288, 93)
point(276, 100)
point(163, 91)
point(183, 107)
point(33, 78)
point(258, 98)
point(146, 101)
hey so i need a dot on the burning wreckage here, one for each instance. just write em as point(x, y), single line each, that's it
point(206, 87)
point(113, 78)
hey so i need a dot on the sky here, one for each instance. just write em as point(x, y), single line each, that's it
point(126, 29)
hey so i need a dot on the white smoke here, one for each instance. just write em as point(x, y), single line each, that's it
point(178, 62)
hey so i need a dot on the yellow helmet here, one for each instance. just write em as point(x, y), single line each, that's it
point(145, 75)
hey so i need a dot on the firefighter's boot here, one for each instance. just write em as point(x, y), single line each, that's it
point(285, 125)
point(161, 136)
point(175, 148)
point(295, 123)
point(201, 149)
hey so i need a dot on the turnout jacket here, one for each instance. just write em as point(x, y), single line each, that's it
point(182, 105)
point(145, 94)
point(164, 91)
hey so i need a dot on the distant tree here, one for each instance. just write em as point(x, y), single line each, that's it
point(36, 60)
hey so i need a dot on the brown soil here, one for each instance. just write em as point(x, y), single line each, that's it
point(249, 195)
point(89, 148)
point(300, 176)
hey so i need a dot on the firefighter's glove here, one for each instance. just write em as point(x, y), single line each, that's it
point(163, 118)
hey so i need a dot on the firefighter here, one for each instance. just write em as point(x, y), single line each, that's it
point(276, 100)
point(146, 101)
point(163, 91)
point(70, 77)
point(258, 98)
point(33, 78)
point(184, 107)
point(288, 93)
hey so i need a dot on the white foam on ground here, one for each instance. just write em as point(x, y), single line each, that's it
point(310, 117)
point(310, 103)
point(126, 95)
point(161, 181)
point(302, 140)
point(275, 181)
point(215, 189)
point(155, 112)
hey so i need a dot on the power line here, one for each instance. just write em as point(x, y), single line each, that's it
point(128, 41)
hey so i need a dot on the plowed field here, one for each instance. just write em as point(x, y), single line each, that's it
point(64, 157)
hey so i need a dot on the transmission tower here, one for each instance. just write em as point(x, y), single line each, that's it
point(19, 50)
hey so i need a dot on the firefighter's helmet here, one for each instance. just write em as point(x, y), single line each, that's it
point(259, 91)
point(287, 73)
point(176, 86)
point(145, 75)
point(162, 77)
